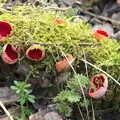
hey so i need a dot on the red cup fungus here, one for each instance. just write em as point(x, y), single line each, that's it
point(64, 64)
point(59, 21)
point(6, 29)
point(100, 34)
point(10, 55)
point(35, 53)
point(99, 86)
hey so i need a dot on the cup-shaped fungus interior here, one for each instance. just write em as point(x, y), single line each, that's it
point(98, 81)
point(102, 32)
point(11, 52)
point(35, 53)
point(99, 86)
point(5, 29)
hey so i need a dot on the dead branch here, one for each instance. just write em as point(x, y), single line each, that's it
point(102, 17)
point(6, 111)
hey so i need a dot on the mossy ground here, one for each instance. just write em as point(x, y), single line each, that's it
point(35, 26)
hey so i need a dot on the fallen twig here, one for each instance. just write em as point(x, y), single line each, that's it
point(84, 97)
point(86, 12)
point(6, 111)
point(57, 8)
point(55, 44)
point(85, 61)
point(101, 17)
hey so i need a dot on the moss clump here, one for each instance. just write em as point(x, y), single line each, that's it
point(34, 25)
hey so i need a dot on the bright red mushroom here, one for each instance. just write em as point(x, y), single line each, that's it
point(35, 53)
point(10, 55)
point(99, 86)
point(6, 29)
point(59, 21)
point(100, 34)
point(64, 64)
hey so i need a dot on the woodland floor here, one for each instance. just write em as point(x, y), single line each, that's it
point(96, 12)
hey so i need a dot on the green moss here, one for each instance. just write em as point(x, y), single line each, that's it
point(34, 25)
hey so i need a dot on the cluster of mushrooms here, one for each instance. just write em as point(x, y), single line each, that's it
point(11, 54)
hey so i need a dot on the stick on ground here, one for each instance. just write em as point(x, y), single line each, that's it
point(6, 111)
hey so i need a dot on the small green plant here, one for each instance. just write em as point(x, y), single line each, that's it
point(72, 94)
point(24, 91)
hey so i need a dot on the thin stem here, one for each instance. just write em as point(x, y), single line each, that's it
point(101, 71)
point(6, 111)
point(22, 112)
point(80, 112)
point(28, 76)
point(78, 82)
point(86, 67)
point(93, 112)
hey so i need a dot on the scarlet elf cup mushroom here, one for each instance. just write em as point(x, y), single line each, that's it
point(35, 53)
point(64, 64)
point(10, 55)
point(6, 29)
point(99, 86)
point(59, 21)
point(100, 34)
